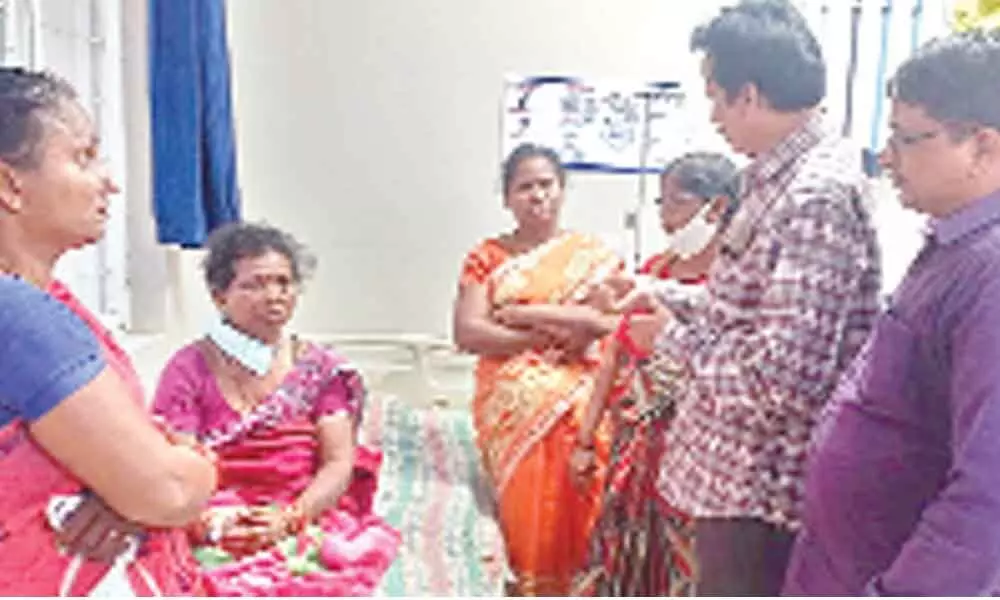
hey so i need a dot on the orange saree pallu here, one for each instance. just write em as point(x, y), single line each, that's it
point(527, 412)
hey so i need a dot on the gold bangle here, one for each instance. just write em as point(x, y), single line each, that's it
point(295, 518)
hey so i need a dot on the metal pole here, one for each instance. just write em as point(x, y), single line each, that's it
point(880, 74)
point(644, 146)
point(852, 68)
point(916, 17)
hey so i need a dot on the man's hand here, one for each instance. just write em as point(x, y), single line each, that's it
point(620, 283)
point(639, 299)
point(601, 297)
point(644, 328)
point(96, 532)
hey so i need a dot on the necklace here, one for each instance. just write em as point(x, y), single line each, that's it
point(242, 388)
point(249, 388)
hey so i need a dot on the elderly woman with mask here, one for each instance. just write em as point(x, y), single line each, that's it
point(640, 545)
point(293, 514)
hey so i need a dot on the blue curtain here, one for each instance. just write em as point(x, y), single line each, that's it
point(195, 186)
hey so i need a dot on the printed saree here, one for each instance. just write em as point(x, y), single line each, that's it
point(268, 456)
point(527, 410)
point(641, 546)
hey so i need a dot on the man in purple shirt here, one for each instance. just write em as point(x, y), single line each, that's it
point(903, 490)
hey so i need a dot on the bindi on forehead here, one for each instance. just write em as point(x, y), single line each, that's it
point(534, 170)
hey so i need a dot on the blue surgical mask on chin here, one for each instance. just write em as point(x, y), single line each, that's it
point(253, 354)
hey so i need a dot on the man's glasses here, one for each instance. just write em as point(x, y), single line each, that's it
point(900, 139)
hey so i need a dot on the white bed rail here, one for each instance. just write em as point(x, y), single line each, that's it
point(422, 369)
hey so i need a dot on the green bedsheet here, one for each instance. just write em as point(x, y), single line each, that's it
point(431, 490)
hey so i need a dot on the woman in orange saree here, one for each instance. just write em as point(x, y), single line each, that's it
point(520, 308)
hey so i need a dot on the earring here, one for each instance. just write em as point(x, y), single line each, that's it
point(12, 202)
point(13, 199)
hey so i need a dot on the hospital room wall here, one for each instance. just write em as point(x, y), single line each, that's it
point(370, 130)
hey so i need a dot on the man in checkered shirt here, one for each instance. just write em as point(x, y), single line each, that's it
point(789, 302)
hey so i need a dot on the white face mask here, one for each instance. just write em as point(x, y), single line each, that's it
point(695, 236)
point(250, 352)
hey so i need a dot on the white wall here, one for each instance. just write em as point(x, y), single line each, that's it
point(370, 130)
point(80, 40)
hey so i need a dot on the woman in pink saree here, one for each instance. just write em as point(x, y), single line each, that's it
point(293, 512)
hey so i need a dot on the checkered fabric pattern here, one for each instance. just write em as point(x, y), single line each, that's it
point(789, 302)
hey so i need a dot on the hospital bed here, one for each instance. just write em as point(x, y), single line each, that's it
point(431, 486)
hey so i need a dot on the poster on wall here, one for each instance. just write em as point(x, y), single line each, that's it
point(598, 125)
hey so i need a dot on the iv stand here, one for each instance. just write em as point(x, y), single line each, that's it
point(656, 90)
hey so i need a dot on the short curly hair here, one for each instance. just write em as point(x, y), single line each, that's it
point(234, 242)
point(25, 97)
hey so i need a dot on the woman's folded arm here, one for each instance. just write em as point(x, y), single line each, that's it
point(107, 441)
point(476, 332)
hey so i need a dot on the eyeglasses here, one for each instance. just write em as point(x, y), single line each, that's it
point(899, 139)
point(264, 285)
point(677, 200)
